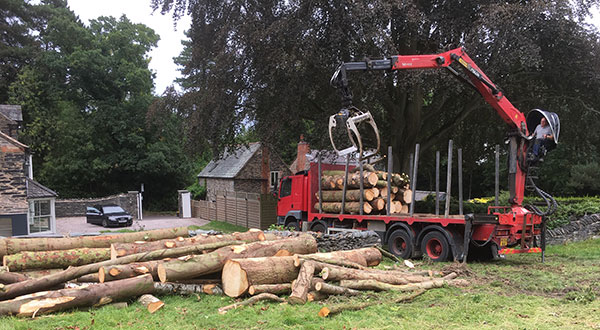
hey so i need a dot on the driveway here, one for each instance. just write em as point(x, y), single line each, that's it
point(76, 225)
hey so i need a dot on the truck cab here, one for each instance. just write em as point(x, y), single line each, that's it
point(292, 205)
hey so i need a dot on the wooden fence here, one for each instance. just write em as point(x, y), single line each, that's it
point(238, 208)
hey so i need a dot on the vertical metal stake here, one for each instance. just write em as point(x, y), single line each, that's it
point(345, 185)
point(414, 179)
point(411, 159)
point(390, 164)
point(360, 164)
point(448, 180)
point(497, 171)
point(437, 183)
point(320, 185)
point(460, 183)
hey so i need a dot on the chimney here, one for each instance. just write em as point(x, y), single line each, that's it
point(303, 149)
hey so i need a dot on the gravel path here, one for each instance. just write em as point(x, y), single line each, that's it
point(78, 225)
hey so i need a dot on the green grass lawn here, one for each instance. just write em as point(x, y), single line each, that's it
point(220, 226)
point(518, 292)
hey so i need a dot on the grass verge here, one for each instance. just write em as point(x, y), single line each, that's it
point(515, 293)
point(220, 226)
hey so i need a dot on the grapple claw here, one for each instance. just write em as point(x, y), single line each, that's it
point(350, 118)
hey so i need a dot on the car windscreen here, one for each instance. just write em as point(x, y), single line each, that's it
point(112, 209)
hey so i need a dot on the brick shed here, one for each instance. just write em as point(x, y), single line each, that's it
point(253, 169)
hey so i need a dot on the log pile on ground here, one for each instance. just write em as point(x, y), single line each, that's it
point(263, 265)
point(315, 277)
point(375, 192)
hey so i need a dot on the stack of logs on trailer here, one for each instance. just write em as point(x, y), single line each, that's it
point(143, 264)
point(375, 192)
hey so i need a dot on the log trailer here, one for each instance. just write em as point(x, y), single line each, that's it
point(503, 230)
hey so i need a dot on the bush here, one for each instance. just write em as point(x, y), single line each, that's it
point(197, 191)
point(569, 208)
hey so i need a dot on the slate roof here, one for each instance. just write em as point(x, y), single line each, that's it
point(12, 112)
point(37, 190)
point(231, 164)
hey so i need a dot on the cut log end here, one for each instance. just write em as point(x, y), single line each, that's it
point(323, 312)
point(162, 273)
point(234, 279)
point(101, 275)
point(151, 302)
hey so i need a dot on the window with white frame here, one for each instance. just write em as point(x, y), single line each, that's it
point(40, 215)
point(274, 180)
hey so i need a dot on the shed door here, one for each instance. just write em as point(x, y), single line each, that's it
point(6, 227)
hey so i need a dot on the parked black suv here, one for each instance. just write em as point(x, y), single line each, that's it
point(108, 216)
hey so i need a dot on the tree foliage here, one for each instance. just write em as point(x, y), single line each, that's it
point(268, 63)
point(86, 96)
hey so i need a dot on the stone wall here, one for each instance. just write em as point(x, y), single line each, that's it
point(13, 189)
point(581, 229)
point(214, 185)
point(248, 185)
point(77, 207)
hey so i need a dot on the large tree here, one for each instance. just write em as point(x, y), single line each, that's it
point(268, 63)
point(85, 99)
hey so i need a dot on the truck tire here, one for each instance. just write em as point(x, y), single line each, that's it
point(435, 246)
point(319, 227)
point(399, 244)
point(293, 225)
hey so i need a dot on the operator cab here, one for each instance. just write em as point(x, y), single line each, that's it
point(539, 147)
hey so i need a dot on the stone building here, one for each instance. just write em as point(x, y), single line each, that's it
point(254, 169)
point(26, 207)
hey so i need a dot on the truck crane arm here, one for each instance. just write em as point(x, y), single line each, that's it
point(492, 94)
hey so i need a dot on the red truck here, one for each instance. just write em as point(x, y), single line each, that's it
point(503, 230)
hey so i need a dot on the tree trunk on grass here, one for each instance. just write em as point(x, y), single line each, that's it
point(316, 296)
point(151, 303)
point(119, 272)
point(326, 311)
point(302, 284)
point(251, 301)
point(8, 277)
point(330, 289)
point(357, 258)
point(339, 273)
point(43, 283)
point(118, 250)
point(89, 278)
point(55, 259)
point(93, 295)
point(381, 286)
point(239, 274)
point(37, 273)
point(172, 271)
point(16, 245)
point(277, 289)
point(170, 288)
point(350, 207)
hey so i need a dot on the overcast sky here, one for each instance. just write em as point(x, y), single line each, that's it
point(139, 11)
point(169, 46)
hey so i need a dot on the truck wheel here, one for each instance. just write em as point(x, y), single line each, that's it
point(400, 244)
point(435, 246)
point(319, 227)
point(293, 225)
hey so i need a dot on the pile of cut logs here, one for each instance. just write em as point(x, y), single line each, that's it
point(107, 269)
point(375, 192)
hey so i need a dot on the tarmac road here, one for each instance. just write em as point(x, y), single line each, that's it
point(72, 225)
